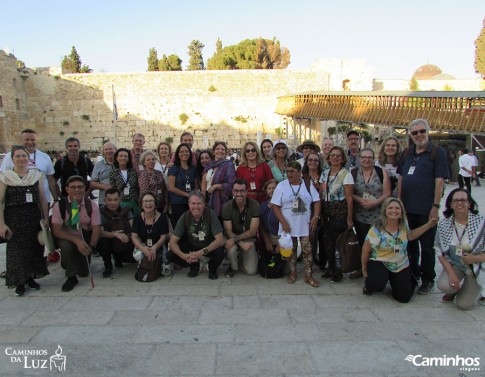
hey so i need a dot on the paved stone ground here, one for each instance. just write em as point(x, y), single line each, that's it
point(245, 326)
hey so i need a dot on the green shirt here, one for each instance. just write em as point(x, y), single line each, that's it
point(199, 234)
point(240, 221)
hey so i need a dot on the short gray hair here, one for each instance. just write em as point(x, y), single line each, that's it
point(415, 122)
point(198, 194)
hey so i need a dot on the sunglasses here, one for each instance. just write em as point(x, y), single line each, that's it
point(280, 148)
point(312, 160)
point(335, 155)
point(252, 150)
point(421, 131)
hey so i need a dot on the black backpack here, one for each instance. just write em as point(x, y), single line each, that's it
point(271, 265)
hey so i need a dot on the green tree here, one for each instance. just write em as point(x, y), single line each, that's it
point(170, 63)
point(152, 60)
point(72, 63)
point(413, 84)
point(480, 52)
point(251, 54)
point(196, 62)
point(218, 45)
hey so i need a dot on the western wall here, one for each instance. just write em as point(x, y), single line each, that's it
point(214, 105)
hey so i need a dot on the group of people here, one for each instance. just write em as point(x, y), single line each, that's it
point(195, 209)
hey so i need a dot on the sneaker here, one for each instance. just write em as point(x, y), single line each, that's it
point(336, 278)
point(355, 274)
point(365, 291)
point(20, 290)
point(33, 284)
point(426, 287)
point(70, 283)
point(448, 297)
point(108, 271)
point(230, 272)
point(96, 253)
point(193, 272)
point(326, 274)
point(213, 275)
point(481, 301)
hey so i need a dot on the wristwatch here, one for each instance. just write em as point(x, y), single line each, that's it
point(206, 250)
point(436, 205)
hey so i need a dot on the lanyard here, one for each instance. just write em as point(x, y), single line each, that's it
point(396, 239)
point(330, 182)
point(149, 228)
point(456, 231)
point(366, 184)
point(32, 161)
point(293, 191)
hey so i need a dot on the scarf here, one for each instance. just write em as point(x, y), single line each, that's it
point(11, 178)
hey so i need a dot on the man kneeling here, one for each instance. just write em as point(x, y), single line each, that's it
point(115, 239)
point(197, 235)
point(71, 216)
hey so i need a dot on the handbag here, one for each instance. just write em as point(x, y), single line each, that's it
point(149, 270)
point(347, 245)
point(44, 237)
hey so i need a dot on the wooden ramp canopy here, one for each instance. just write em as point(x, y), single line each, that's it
point(445, 111)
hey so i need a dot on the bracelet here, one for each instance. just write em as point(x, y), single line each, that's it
point(206, 251)
point(436, 205)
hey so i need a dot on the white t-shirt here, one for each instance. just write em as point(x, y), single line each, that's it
point(468, 162)
point(298, 218)
point(39, 160)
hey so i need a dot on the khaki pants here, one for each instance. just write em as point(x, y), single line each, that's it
point(249, 259)
point(469, 292)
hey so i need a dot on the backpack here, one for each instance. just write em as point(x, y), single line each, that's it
point(65, 205)
point(149, 271)
point(349, 249)
point(118, 222)
point(379, 172)
point(271, 265)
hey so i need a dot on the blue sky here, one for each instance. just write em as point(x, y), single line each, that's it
point(393, 37)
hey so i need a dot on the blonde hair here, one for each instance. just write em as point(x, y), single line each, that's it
point(259, 157)
point(382, 221)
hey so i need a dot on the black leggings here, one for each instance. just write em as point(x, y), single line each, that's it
point(378, 276)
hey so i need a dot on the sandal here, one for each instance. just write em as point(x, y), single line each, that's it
point(3, 274)
point(292, 278)
point(311, 281)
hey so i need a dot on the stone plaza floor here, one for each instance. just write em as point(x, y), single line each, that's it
point(244, 326)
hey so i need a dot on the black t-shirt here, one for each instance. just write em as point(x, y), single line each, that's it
point(154, 232)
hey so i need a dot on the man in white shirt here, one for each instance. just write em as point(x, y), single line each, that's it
point(466, 164)
point(37, 159)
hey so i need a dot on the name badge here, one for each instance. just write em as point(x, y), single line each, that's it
point(187, 187)
point(459, 251)
point(201, 236)
point(411, 170)
point(126, 191)
point(29, 198)
point(149, 242)
point(159, 191)
point(252, 185)
point(366, 195)
point(295, 204)
point(141, 167)
point(397, 248)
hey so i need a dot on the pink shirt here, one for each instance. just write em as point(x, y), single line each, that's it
point(86, 222)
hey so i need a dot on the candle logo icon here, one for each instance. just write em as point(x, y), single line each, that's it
point(58, 360)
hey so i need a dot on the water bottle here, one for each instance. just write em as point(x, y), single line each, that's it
point(338, 259)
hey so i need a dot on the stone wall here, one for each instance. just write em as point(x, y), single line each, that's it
point(218, 105)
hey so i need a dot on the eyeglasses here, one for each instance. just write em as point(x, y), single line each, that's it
point(80, 187)
point(280, 148)
point(366, 157)
point(148, 201)
point(239, 192)
point(421, 131)
point(307, 147)
point(356, 138)
point(335, 155)
point(292, 171)
point(313, 160)
point(459, 201)
point(252, 150)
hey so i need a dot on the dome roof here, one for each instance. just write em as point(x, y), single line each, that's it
point(427, 71)
point(443, 76)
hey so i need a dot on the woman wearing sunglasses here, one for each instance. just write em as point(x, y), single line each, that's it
point(254, 170)
point(460, 246)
